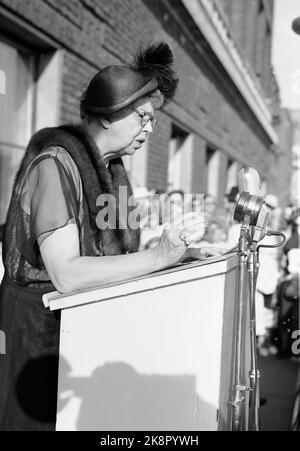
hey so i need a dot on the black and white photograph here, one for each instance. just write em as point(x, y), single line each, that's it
point(149, 218)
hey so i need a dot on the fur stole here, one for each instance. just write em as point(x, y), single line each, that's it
point(96, 179)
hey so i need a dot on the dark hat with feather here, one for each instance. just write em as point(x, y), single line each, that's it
point(115, 87)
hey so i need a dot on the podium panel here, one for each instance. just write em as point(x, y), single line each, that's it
point(156, 353)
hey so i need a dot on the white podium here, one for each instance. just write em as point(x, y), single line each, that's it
point(155, 353)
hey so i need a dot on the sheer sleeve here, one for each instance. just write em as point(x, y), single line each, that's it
point(53, 197)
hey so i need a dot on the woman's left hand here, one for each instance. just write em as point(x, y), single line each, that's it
point(192, 228)
point(203, 252)
point(191, 225)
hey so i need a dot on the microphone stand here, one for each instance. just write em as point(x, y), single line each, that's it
point(252, 212)
point(238, 395)
point(252, 231)
point(248, 272)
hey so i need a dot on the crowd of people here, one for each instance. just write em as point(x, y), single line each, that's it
point(277, 290)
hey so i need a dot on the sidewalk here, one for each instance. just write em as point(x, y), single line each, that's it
point(278, 386)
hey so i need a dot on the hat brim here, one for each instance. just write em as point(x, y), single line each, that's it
point(146, 89)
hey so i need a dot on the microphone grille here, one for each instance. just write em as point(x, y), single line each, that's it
point(241, 180)
point(248, 180)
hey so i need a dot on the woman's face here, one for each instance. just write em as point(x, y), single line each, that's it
point(126, 135)
point(209, 205)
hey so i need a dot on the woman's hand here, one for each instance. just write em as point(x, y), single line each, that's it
point(170, 248)
point(177, 239)
point(203, 252)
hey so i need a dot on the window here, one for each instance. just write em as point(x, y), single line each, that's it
point(16, 113)
point(30, 87)
point(212, 171)
point(260, 40)
point(180, 160)
point(232, 171)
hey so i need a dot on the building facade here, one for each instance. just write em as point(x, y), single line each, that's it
point(226, 113)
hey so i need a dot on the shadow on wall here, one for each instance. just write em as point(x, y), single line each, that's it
point(116, 397)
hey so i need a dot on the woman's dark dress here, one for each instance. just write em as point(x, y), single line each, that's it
point(48, 197)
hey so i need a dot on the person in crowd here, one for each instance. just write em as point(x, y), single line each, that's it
point(289, 214)
point(175, 204)
point(67, 228)
point(233, 227)
point(267, 281)
point(151, 228)
point(215, 234)
point(230, 200)
point(210, 204)
point(143, 200)
point(289, 289)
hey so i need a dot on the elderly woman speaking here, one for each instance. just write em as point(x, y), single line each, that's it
point(55, 236)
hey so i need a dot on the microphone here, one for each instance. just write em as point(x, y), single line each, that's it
point(249, 181)
point(251, 209)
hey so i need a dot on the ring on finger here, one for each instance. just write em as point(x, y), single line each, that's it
point(183, 238)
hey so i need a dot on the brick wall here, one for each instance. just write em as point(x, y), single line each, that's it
point(250, 25)
point(158, 155)
point(96, 33)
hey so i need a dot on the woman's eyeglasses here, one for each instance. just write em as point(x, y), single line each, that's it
point(146, 117)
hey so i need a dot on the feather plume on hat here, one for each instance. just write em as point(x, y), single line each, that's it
point(155, 61)
point(115, 87)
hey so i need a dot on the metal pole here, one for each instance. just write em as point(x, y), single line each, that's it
point(238, 394)
point(254, 401)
